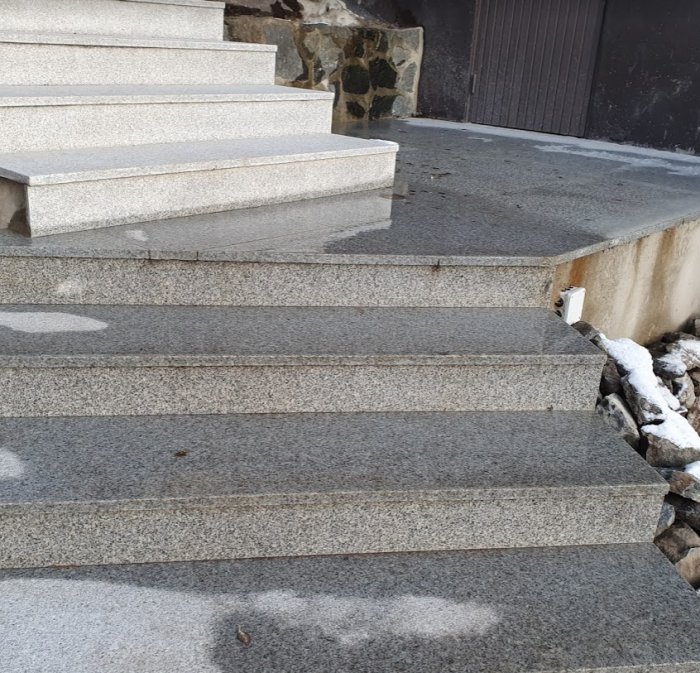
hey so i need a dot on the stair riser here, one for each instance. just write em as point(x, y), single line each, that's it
point(63, 65)
point(59, 127)
point(152, 390)
point(114, 535)
point(66, 207)
point(115, 17)
point(33, 280)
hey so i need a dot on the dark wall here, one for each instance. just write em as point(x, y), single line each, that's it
point(448, 26)
point(647, 86)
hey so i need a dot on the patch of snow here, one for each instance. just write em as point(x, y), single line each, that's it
point(482, 139)
point(674, 363)
point(84, 626)
point(673, 166)
point(11, 467)
point(670, 398)
point(47, 322)
point(637, 361)
point(553, 140)
point(352, 621)
point(677, 430)
point(693, 469)
point(688, 351)
point(137, 235)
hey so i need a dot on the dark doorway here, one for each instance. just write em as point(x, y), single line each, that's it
point(533, 64)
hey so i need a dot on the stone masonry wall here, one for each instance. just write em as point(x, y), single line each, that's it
point(373, 70)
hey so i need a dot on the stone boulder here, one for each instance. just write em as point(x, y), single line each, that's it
point(667, 518)
point(682, 483)
point(686, 510)
point(614, 410)
point(688, 567)
point(677, 540)
point(672, 443)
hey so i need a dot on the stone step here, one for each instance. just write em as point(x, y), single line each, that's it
point(606, 609)
point(48, 118)
point(56, 59)
point(181, 19)
point(267, 256)
point(178, 488)
point(55, 192)
point(141, 360)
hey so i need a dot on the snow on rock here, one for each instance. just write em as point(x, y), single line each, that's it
point(672, 440)
point(673, 443)
point(670, 366)
point(645, 395)
point(688, 351)
point(693, 469)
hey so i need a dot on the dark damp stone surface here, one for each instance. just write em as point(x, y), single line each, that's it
point(355, 79)
point(355, 109)
point(354, 47)
point(287, 9)
point(381, 105)
point(382, 74)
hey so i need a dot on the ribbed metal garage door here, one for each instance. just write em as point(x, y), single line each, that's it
point(533, 63)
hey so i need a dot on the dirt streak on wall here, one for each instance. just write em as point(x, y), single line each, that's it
point(640, 289)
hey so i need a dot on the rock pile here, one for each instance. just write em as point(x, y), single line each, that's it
point(651, 397)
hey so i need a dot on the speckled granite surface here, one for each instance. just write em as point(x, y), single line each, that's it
point(614, 608)
point(115, 490)
point(337, 333)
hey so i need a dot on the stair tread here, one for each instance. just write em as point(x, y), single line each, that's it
point(104, 163)
point(87, 40)
point(602, 608)
point(119, 94)
point(207, 4)
point(355, 457)
point(202, 335)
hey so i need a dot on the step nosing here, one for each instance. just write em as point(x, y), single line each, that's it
point(132, 161)
point(143, 98)
point(107, 360)
point(41, 250)
point(344, 497)
point(111, 41)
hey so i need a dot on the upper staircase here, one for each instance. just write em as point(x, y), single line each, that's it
point(130, 107)
point(219, 458)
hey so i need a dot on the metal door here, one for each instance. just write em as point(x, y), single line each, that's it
point(534, 62)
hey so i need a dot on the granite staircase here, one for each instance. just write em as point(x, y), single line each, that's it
point(217, 459)
point(122, 111)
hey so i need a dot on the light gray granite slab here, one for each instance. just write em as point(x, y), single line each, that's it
point(115, 94)
point(165, 122)
point(477, 218)
point(449, 335)
point(135, 386)
point(47, 168)
point(316, 457)
point(55, 59)
point(111, 272)
point(160, 360)
point(133, 184)
point(608, 609)
point(195, 19)
point(114, 490)
point(87, 40)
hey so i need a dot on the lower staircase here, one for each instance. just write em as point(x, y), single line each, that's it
point(212, 488)
point(217, 462)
